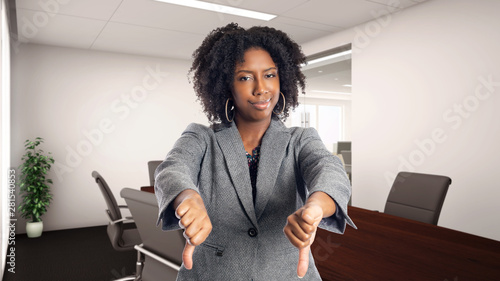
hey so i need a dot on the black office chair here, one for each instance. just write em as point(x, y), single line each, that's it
point(122, 239)
point(417, 196)
point(343, 145)
point(161, 250)
point(152, 165)
point(346, 156)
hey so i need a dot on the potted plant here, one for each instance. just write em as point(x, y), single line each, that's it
point(34, 186)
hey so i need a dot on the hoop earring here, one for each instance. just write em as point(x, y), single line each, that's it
point(284, 104)
point(227, 116)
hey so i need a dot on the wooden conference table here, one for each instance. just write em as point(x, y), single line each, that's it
point(386, 247)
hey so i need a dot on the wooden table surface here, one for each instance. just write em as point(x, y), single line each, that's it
point(386, 247)
point(148, 189)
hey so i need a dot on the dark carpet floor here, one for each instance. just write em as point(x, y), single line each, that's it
point(83, 254)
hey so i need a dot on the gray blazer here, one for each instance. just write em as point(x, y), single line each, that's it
point(247, 241)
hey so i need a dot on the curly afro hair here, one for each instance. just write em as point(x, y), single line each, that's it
point(216, 59)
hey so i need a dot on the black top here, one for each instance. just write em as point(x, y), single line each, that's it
point(253, 165)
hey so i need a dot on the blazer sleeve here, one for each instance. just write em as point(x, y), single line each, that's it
point(323, 171)
point(178, 172)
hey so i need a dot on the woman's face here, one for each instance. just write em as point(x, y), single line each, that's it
point(256, 87)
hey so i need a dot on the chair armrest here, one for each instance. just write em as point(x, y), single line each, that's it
point(128, 219)
point(158, 258)
point(126, 207)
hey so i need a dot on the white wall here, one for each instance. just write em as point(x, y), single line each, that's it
point(409, 70)
point(420, 103)
point(77, 100)
point(5, 199)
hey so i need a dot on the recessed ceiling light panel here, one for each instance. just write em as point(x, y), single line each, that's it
point(221, 9)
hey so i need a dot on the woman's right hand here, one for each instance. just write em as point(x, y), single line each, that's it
point(193, 218)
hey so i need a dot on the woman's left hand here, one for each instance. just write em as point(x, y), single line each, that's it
point(301, 229)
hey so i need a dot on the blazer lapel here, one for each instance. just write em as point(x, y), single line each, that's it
point(230, 142)
point(272, 152)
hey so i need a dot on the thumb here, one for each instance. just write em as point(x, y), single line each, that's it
point(187, 256)
point(312, 214)
point(303, 261)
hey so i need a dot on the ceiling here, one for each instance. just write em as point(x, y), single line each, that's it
point(151, 28)
point(330, 79)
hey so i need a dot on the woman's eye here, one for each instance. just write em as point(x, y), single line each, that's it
point(245, 78)
point(270, 75)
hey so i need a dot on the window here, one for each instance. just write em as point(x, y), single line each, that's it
point(330, 124)
point(326, 119)
point(326, 105)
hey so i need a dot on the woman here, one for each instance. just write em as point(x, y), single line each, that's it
point(249, 192)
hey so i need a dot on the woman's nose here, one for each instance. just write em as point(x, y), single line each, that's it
point(260, 87)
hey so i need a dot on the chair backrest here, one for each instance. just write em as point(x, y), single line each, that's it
point(152, 165)
point(114, 230)
point(167, 244)
point(346, 155)
point(113, 209)
point(343, 145)
point(417, 196)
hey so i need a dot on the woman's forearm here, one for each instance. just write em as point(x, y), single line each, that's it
point(324, 201)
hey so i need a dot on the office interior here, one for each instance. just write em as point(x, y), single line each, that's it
point(424, 98)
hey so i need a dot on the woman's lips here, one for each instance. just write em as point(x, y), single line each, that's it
point(261, 104)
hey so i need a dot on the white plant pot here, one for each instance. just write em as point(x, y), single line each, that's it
point(34, 229)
